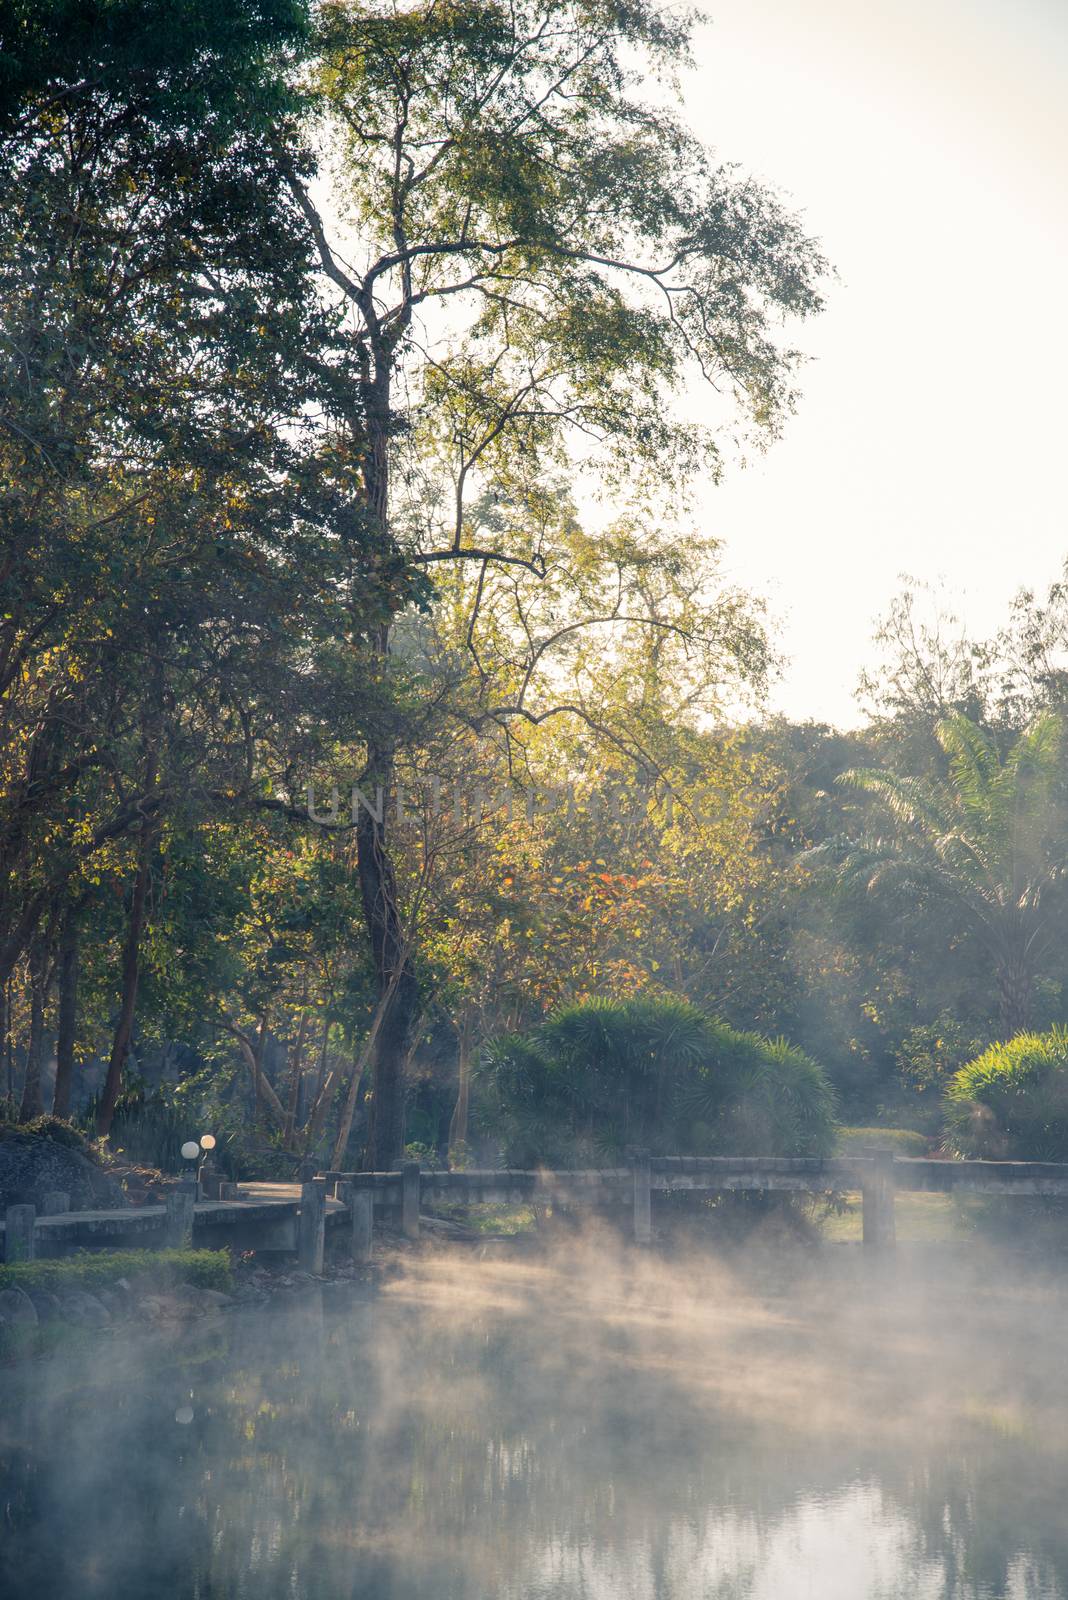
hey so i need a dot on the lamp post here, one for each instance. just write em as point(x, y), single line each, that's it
point(180, 1203)
point(209, 1179)
point(192, 1150)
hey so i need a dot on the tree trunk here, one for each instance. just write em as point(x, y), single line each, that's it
point(324, 1084)
point(6, 1053)
point(32, 1105)
point(296, 1067)
point(258, 1080)
point(275, 1108)
point(67, 1024)
point(461, 1111)
point(394, 978)
point(368, 1053)
point(1015, 997)
point(130, 973)
point(397, 996)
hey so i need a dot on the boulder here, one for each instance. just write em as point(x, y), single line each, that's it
point(32, 1164)
point(17, 1309)
point(45, 1304)
point(214, 1299)
point(115, 1303)
point(82, 1308)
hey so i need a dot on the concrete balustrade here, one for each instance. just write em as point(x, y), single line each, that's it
point(297, 1218)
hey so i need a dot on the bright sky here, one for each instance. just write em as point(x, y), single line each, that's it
point(926, 142)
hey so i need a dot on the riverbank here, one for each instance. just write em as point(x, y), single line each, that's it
point(48, 1306)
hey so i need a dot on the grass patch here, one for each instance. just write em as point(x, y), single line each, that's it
point(902, 1141)
point(920, 1217)
point(491, 1217)
point(207, 1269)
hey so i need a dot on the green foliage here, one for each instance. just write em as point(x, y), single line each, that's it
point(183, 555)
point(903, 1141)
point(603, 254)
point(988, 838)
point(148, 1128)
point(931, 1053)
point(425, 1154)
point(781, 1102)
point(206, 1269)
point(47, 1127)
point(656, 1073)
point(1011, 1102)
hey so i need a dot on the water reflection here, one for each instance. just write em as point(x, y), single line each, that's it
point(601, 1426)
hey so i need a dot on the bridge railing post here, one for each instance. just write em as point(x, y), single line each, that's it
point(311, 1226)
point(180, 1203)
point(877, 1190)
point(19, 1230)
point(360, 1203)
point(643, 1196)
point(410, 1187)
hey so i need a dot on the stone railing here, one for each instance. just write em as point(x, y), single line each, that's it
point(297, 1218)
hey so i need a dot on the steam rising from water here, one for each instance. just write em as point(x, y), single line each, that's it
point(597, 1424)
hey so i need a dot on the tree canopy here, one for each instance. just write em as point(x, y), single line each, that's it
point(358, 364)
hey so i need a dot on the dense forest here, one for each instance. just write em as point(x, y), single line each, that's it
point(383, 755)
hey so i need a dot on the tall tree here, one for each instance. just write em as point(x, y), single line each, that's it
point(989, 838)
point(180, 542)
point(535, 261)
point(67, 1018)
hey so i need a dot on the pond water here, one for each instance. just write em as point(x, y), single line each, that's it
point(599, 1425)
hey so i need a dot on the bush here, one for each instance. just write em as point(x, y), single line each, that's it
point(54, 1128)
point(1011, 1102)
point(903, 1141)
point(207, 1269)
point(603, 1075)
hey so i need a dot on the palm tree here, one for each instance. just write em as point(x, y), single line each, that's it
point(989, 838)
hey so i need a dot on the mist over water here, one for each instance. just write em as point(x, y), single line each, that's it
point(596, 1424)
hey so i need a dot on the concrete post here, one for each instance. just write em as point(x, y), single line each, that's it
point(19, 1243)
point(228, 1191)
point(180, 1203)
point(210, 1179)
point(362, 1213)
point(363, 1225)
point(311, 1227)
point(54, 1203)
point(880, 1231)
point(410, 1199)
point(643, 1196)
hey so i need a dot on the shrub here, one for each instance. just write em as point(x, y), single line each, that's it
point(207, 1269)
point(1011, 1102)
point(658, 1073)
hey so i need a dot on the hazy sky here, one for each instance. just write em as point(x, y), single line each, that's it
point(926, 142)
